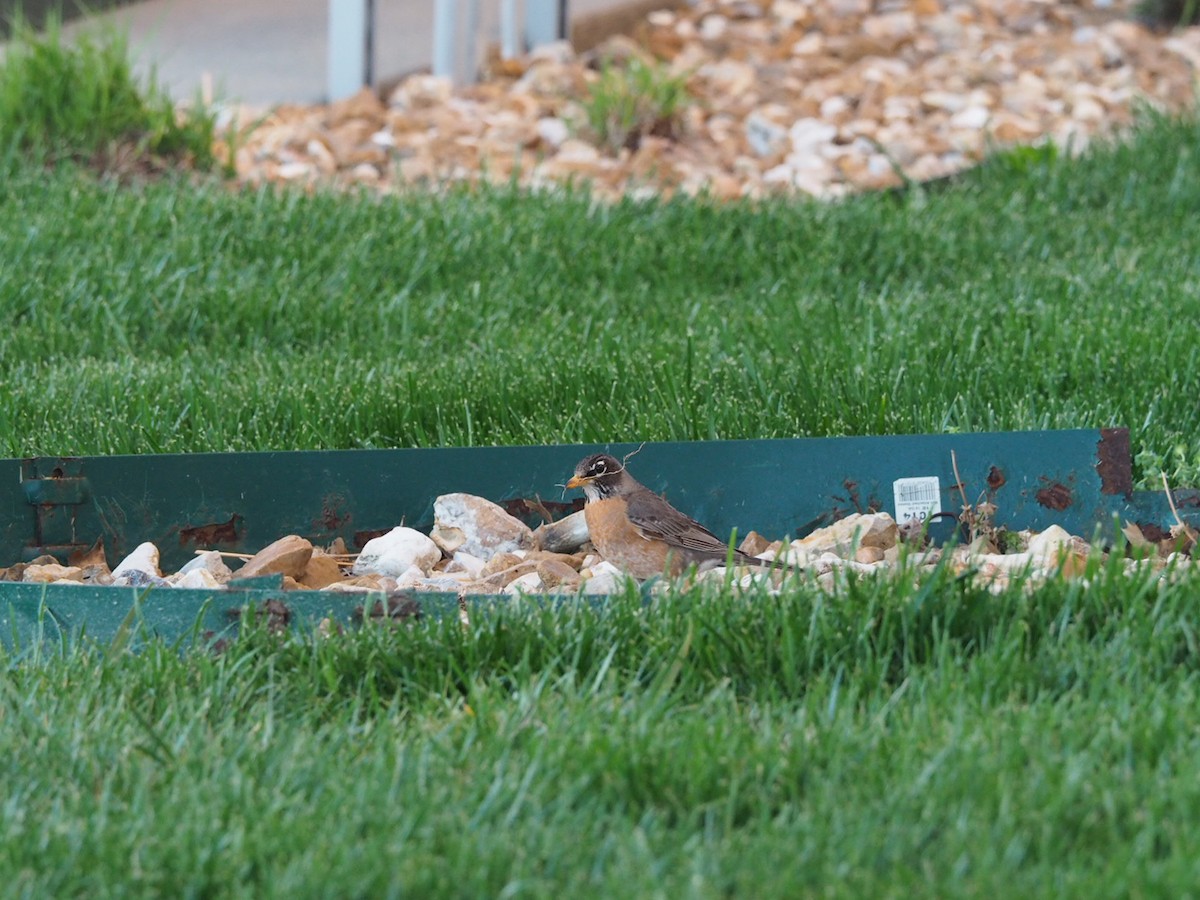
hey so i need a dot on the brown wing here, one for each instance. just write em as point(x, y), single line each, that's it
point(656, 518)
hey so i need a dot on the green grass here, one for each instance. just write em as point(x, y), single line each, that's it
point(1045, 295)
point(631, 101)
point(896, 739)
point(79, 100)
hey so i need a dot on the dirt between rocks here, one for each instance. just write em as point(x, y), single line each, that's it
point(812, 97)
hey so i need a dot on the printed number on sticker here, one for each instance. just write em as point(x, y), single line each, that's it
point(917, 498)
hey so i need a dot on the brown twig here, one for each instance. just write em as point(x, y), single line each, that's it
point(1184, 527)
point(958, 482)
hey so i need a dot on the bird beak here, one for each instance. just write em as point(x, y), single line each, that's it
point(576, 481)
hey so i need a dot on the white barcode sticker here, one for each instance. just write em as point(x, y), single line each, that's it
point(917, 498)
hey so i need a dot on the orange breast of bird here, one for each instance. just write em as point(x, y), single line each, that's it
point(621, 543)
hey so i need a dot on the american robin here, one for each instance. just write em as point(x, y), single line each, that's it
point(637, 530)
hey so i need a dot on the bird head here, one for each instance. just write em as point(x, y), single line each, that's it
point(599, 475)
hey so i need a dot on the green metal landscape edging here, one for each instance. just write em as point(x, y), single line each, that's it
point(1079, 479)
point(50, 615)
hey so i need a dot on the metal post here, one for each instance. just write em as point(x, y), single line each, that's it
point(349, 41)
point(445, 37)
point(469, 67)
point(545, 21)
point(369, 44)
point(508, 29)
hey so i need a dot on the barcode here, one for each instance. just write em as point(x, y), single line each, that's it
point(916, 492)
point(917, 498)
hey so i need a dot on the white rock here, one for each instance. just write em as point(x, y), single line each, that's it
point(809, 45)
point(365, 172)
point(553, 131)
point(529, 583)
point(990, 563)
point(1086, 109)
point(410, 578)
point(442, 583)
point(849, 8)
point(780, 174)
point(210, 561)
point(1049, 545)
point(713, 26)
point(294, 171)
point(199, 579)
point(789, 11)
point(793, 555)
point(832, 107)
point(577, 151)
point(890, 26)
point(396, 551)
point(764, 136)
point(421, 91)
point(560, 52)
point(878, 165)
point(809, 135)
point(971, 118)
point(466, 563)
point(948, 101)
point(486, 528)
point(143, 559)
point(342, 588)
point(605, 579)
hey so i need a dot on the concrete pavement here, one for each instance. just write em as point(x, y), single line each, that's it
point(274, 51)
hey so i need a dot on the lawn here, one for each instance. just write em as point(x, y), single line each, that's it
point(1039, 293)
point(892, 739)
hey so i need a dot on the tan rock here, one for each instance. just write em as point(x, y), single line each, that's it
point(856, 529)
point(869, 555)
point(503, 577)
point(196, 579)
point(528, 583)
point(365, 106)
point(500, 562)
point(362, 583)
point(421, 92)
point(320, 571)
point(555, 573)
point(567, 534)
point(287, 556)
point(753, 544)
point(51, 572)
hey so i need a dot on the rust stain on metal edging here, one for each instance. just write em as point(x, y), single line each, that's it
point(1055, 495)
point(212, 533)
point(1113, 462)
point(362, 538)
point(334, 514)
